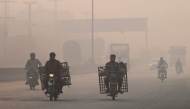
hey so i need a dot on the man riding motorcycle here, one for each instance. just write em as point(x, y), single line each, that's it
point(53, 66)
point(32, 64)
point(162, 65)
point(113, 68)
point(179, 65)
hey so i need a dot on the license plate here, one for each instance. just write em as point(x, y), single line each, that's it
point(50, 84)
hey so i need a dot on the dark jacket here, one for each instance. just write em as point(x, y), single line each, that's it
point(178, 64)
point(53, 66)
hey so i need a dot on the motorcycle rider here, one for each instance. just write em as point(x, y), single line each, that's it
point(53, 66)
point(113, 68)
point(162, 64)
point(179, 65)
point(32, 63)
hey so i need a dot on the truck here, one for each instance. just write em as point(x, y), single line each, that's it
point(177, 52)
point(72, 53)
point(121, 51)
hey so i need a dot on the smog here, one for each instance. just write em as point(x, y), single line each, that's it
point(84, 34)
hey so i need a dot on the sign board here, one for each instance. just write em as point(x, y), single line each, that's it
point(103, 25)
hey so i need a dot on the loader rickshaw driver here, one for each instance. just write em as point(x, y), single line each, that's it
point(53, 66)
point(32, 63)
point(113, 68)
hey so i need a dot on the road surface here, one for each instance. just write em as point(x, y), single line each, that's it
point(146, 91)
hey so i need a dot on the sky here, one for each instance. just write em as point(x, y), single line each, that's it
point(110, 8)
point(165, 17)
point(168, 20)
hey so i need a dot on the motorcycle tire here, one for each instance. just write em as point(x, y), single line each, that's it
point(30, 87)
point(113, 97)
point(51, 94)
point(55, 96)
point(162, 76)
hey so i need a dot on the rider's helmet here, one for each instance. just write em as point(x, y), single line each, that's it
point(52, 54)
point(161, 59)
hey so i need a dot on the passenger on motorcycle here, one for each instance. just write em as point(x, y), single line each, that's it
point(113, 68)
point(162, 65)
point(179, 65)
point(119, 60)
point(32, 64)
point(53, 66)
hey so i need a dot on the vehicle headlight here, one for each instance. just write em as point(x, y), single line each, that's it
point(51, 75)
point(150, 64)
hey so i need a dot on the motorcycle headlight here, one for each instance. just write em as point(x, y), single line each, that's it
point(150, 64)
point(51, 75)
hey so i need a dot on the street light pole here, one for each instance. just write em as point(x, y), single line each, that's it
point(92, 32)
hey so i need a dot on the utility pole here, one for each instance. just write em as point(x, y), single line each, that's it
point(30, 3)
point(55, 16)
point(5, 19)
point(92, 32)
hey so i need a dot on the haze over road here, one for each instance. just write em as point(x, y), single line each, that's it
point(145, 92)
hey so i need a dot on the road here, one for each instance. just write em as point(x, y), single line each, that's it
point(146, 91)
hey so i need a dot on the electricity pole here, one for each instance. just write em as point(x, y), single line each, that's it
point(55, 16)
point(30, 16)
point(5, 19)
point(92, 32)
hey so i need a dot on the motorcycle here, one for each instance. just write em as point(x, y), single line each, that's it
point(113, 81)
point(52, 89)
point(32, 79)
point(113, 86)
point(178, 70)
point(52, 81)
point(162, 74)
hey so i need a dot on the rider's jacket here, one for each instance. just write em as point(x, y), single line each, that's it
point(33, 64)
point(112, 67)
point(178, 64)
point(162, 64)
point(53, 66)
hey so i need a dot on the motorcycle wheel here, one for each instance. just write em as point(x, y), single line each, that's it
point(162, 76)
point(51, 94)
point(178, 72)
point(113, 97)
point(30, 87)
point(55, 96)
